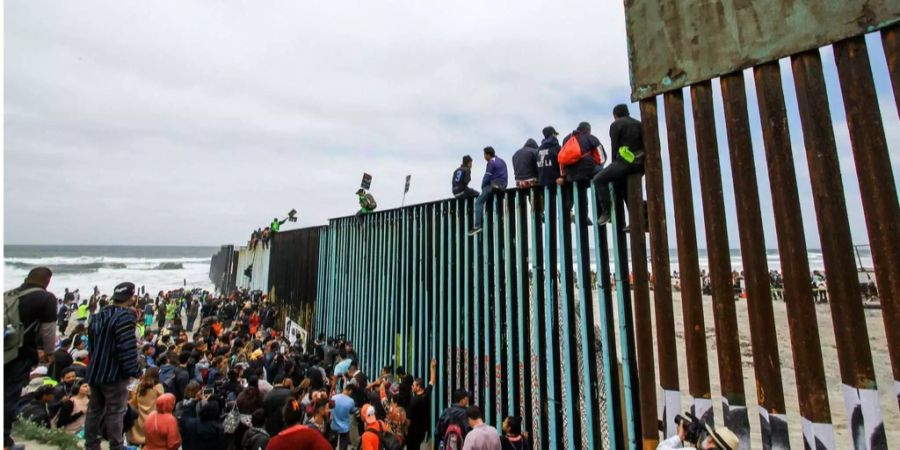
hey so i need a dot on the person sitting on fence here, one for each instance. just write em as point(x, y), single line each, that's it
point(367, 203)
point(525, 165)
point(580, 158)
point(266, 236)
point(495, 179)
point(461, 177)
point(627, 143)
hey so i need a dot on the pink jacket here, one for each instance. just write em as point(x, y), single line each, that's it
point(161, 427)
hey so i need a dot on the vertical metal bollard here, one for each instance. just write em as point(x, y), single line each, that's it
point(688, 265)
point(550, 294)
point(626, 338)
point(566, 294)
point(509, 304)
point(539, 391)
point(615, 432)
point(587, 372)
point(875, 175)
point(724, 314)
point(659, 255)
point(497, 285)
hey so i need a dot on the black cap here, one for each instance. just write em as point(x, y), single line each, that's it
point(550, 131)
point(123, 291)
point(360, 191)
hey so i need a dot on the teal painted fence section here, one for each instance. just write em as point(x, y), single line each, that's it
point(515, 314)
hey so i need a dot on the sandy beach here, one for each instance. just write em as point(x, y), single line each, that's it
point(880, 356)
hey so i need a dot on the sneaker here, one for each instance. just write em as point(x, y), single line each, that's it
point(603, 219)
point(474, 231)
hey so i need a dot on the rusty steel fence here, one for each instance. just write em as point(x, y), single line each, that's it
point(532, 316)
point(577, 328)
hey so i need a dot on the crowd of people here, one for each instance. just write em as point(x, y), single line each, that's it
point(262, 236)
point(580, 158)
point(192, 370)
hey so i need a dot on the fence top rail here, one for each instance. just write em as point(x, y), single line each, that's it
point(413, 206)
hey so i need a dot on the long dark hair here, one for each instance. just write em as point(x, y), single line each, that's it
point(150, 379)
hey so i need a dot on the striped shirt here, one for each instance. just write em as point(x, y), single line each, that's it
point(113, 346)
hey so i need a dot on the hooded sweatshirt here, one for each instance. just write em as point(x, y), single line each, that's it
point(548, 164)
point(161, 427)
point(525, 161)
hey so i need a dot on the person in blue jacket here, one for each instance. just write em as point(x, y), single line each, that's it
point(495, 179)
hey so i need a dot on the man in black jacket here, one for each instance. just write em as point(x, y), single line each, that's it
point(419, 413)
point(273, 404)
point(627, 142)
point(461, 178)
point(37, 312)
point(182, 375)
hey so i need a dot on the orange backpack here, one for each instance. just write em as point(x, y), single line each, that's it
point(570, 152)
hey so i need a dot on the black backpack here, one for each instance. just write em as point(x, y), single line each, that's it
point(386, 439)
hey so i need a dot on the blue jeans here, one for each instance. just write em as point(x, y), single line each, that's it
point(486, 192)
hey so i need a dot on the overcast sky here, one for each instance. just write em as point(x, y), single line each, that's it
point(191, 123)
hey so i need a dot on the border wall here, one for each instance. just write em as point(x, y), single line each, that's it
point(516, 315)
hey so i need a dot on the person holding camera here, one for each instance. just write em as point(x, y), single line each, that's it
point(694, 434)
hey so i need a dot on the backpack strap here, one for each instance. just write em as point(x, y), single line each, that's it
point(19, 296)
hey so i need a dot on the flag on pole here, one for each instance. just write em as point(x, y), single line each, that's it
point(406, 189)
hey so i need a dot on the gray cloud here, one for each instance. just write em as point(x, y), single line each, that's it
point(189, 123)
point(194, 122)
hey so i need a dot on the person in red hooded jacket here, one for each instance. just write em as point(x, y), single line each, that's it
point(161, 427)
point(296, 436)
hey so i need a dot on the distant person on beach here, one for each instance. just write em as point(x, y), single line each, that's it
point(627, 145)
point(586, 166)
point(461, 177)
point(113, 361)
point(62, 317)
point(37, 319)
point(495, 179)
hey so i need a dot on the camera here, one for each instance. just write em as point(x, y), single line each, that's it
point(693, 427)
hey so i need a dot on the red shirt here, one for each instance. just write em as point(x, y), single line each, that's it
point(299, 437)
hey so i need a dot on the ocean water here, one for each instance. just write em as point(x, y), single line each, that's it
point(83, 267)
point(162, 267)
